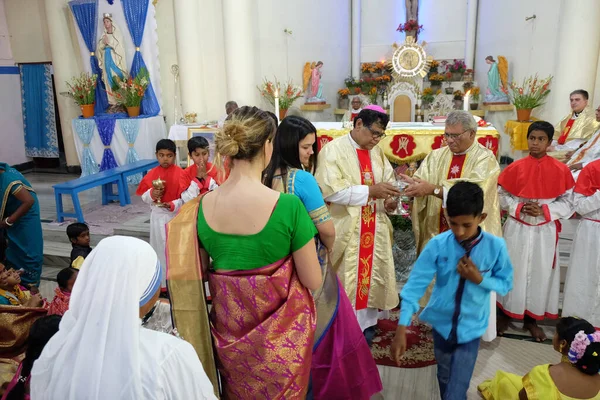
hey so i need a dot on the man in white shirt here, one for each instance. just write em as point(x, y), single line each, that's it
point(590, 151)
point(230, 107)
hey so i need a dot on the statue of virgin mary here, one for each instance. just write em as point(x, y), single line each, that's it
point(111, 55)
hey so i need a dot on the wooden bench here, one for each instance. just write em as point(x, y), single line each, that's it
point(104, 178)
point(127, 170)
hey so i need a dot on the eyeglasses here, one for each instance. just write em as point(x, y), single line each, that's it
point(376, 135)
point(454, 136)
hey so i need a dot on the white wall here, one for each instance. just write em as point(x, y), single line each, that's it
point(167, 56)
point(444, 23)
point(28, 30)
point(320, 32)
point(529, 46)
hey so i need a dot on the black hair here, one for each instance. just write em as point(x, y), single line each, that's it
point(197, 142)
point(63, 277)
point(464, 198)
point(543, 126)
point(166, 144)
point(567, 328)
point(285, 147)
point(40, 333)
point(274, 117)
point(582, 92)
point(76, 229)
point(370, 117)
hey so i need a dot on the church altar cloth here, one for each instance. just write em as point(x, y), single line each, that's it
point(179, 132)
point(517, 131)
point(408, 141)
point(151, 130)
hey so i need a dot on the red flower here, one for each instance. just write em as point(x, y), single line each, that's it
point(323, 140)
point(403, 146)
point(490, 142)
point(438, 142)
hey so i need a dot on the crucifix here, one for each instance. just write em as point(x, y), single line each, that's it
point(412, 10)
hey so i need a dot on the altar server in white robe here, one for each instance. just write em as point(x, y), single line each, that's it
point(582, 295)
point(536, 191)
point(102, 350)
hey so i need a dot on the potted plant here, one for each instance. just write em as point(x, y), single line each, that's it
point(288, 93)
point(433, 67)
point(365, 69)
point(474, 97)
point(531, 93)
point(343, 101)
point(82, 90)
point(373, 94)
point(457, 68)
point(449, 89)
point(468, 75)
point(427, 97)
point(411, 28)
point(129, 91)
point(458, 100)
point(436, 81)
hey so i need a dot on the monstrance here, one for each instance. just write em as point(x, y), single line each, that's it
point(410, 60)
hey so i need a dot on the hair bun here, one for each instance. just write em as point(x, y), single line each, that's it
point(228, 144)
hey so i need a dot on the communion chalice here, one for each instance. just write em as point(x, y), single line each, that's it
point(159, 184)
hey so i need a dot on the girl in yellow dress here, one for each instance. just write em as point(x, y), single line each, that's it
point(575, 378)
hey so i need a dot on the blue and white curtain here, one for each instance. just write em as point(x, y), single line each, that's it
point(85, 13)
point(135, 14)
point(39, 120)
point(130, 128)
point(84, 128)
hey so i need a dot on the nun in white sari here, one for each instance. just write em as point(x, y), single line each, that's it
point(101, 350)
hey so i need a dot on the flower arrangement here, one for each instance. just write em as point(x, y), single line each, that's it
point(410, 25)
point(129, 91)
point(427, 95)
point(531, 93)
point(344, 93)
point(434, 64)
point(365, 68)
point(350, 82)
point(357, 90)
point(383, 79)
point(475, 93)
point(448, 76)
point(82, 89)
point(457, 66)
point(288, 93)
point(458, 95)
point(436, 78)
point(381, 67)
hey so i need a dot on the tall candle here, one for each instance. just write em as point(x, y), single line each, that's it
point(466, 101)
point(277, 103)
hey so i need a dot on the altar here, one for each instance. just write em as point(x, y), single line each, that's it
point(408, 141)
point(127, 139)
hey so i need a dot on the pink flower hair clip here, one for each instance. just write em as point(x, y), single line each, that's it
point(580, 343)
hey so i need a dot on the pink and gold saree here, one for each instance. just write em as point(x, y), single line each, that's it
point(262, 321)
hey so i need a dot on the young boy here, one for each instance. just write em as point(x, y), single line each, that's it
point(168, 196)
point(79, 236)
point(581, 287)
point(66, 279)
point(201, 176)
point(536, 193)
point(468, 264)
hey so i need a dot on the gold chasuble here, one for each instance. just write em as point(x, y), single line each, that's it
point(583, 126)
point(362, 253)
point(441, 167)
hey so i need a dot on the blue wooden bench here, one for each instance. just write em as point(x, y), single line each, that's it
point(140, 166)
point(104, 178)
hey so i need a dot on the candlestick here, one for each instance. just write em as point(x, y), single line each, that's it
point(277, 103)
point(466, 101)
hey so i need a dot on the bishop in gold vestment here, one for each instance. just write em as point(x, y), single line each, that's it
point(362, 254)
point(463, 159)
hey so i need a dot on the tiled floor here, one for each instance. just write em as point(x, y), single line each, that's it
point(511, 355)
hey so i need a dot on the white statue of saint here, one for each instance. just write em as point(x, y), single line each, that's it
point(111, 55)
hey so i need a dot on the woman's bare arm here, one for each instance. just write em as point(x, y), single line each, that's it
point(327, 234)
point(307, 266)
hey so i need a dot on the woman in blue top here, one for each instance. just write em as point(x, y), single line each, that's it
point(342, 365)
point(20, 217)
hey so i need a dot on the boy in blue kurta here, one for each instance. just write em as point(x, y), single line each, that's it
point(468, 264)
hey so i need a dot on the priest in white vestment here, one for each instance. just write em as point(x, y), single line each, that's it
point(102, 350)
point(582, 298)
point(356, 180)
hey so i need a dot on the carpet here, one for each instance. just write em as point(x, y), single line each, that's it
point(419, 343)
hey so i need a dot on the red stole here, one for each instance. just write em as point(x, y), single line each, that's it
point(588, 181)
point(533, 178)
point(565, 132)
point(352, 116)
point(367, 234)
point(454, 172)
point(170, 175)
point(190, 175)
